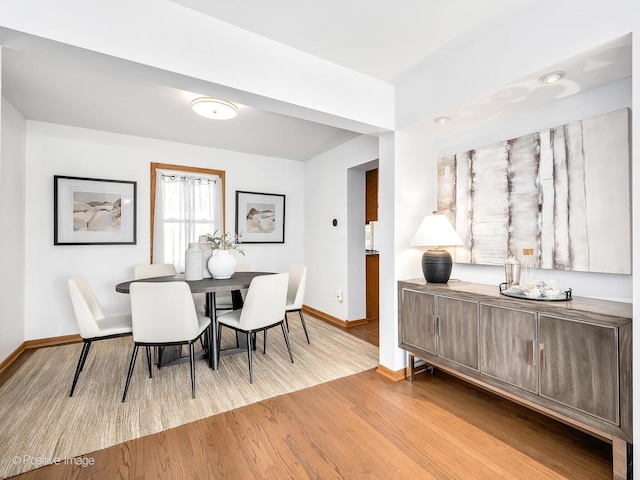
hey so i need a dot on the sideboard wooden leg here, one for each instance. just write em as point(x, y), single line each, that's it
point(622, 459)
point(413, 370)
point(412, 360)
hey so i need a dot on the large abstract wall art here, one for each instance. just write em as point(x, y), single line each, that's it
point(564, 191)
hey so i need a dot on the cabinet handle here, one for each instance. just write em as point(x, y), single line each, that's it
point(531, 358)
point(541, 350)
point(437, 325)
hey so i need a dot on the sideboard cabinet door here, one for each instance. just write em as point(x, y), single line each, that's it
point(458, 331)
point(508, 345)
point(417, 326)
point(579, 366)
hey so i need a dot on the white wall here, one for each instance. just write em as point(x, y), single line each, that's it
point(59, 150)
point(12, 225)
point(389, 216)
point(326, 246)
point(635, 195)
point(356, 270)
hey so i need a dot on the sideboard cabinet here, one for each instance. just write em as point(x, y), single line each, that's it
point(569, 360)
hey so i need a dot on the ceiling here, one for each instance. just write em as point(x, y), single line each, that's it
point(363, 35)
point(379, 38)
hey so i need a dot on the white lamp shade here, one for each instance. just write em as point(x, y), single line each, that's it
point(436, 231)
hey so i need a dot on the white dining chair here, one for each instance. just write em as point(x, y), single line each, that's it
point(295, 294)
point(163, 314)
point(264, 308)
point(92, 322)
point(153, 270)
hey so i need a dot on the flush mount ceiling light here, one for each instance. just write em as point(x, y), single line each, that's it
point(552, 77)
point(214, 108)
point(442, 120)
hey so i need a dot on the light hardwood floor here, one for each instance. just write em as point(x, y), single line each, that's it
point(362, 426)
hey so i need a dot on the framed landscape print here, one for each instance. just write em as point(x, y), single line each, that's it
point(92, 211)
point(259, 217)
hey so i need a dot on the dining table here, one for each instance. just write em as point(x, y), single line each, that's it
point(208, 286)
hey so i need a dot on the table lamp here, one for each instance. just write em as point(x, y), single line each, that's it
point(436, 231)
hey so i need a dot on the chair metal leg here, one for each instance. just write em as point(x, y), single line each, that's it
point(304, 326)
point(131, 365)
point(85, 354)
point(286, 340)
point(218, 342)
point(213, 347)
point(81, 360)
point(286, 320)
point(264, 342)
point(249, 351)
point(193, 370)
point(148, 350)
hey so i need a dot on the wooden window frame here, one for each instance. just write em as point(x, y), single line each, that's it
point(181, 168)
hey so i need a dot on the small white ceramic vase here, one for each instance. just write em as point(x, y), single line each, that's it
point(193, 262)
point(206, 255)
point(222, 264)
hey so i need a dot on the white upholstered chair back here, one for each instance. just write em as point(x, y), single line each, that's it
point(92, 322)
point(154, 270)
point(163, 312)
point(265, 302)
point(85, 306)
point(297, 284)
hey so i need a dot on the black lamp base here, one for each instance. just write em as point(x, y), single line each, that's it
point(436, 266)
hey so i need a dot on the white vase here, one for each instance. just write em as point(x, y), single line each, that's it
point(222, 264)
point(193, 262)
point(206, 255)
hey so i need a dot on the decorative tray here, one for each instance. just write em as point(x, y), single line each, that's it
point(541, 294)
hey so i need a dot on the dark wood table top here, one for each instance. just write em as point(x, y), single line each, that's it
point(238, 281)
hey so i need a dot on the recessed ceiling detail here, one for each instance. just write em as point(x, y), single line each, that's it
point(442, 120)
point(552, 77)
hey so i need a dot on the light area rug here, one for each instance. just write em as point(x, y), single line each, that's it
point(39, 421)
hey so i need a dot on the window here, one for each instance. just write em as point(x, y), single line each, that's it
point(186, 202)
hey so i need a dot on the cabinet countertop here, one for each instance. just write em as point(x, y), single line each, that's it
point(619, 313)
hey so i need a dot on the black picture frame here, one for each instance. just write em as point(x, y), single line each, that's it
point(94, 211)
point(260, 217)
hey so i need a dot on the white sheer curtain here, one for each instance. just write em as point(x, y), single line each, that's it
point(186, 207)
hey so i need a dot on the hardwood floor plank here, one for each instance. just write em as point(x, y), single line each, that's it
point(361, 426)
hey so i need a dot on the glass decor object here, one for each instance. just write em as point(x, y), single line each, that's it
point(528, 266)
point(512, 271)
